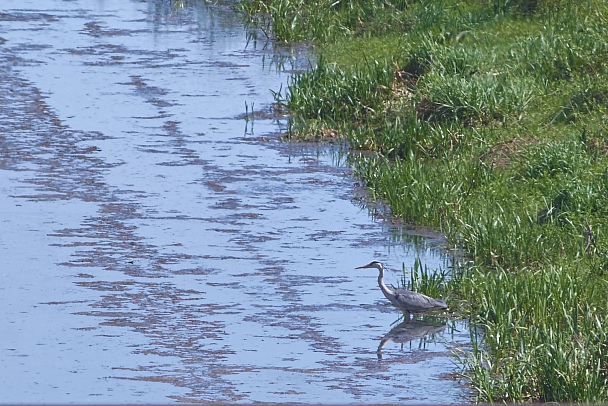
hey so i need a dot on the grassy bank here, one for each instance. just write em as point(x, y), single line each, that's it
point(489, 120)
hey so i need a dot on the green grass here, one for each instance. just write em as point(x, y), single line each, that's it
point(544, 335)
point(303, 20)
point(489, 123)
point(431, 282)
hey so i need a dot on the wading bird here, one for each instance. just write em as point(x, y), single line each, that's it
point(406, 300)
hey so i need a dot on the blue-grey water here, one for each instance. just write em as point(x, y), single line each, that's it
point(157, 247)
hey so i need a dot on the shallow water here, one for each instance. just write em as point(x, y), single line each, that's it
point(156, 247)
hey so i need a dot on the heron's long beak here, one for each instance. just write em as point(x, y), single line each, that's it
point(364, 266)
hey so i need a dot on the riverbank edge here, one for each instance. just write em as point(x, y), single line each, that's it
point(488, 124)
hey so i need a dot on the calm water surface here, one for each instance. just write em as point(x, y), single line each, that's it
point(156, 247)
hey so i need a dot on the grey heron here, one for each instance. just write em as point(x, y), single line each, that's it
point(408, 301)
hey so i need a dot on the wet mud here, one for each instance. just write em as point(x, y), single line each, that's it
point(160, 246)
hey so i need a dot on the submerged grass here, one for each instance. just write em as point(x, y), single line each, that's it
point(489, 122)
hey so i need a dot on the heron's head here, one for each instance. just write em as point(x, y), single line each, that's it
point(373, 264)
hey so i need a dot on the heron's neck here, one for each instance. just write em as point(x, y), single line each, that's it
point(385, 289)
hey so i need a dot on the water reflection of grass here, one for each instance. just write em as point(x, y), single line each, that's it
point(488, 120)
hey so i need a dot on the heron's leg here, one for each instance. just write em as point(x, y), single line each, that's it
point(407, 316)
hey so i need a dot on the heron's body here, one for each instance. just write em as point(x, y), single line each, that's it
point(406, 300)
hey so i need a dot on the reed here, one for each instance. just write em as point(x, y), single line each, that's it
point(544, 335)
point(431, 282)
point(304, 20)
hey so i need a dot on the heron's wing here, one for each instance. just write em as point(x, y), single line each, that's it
point(417, 302)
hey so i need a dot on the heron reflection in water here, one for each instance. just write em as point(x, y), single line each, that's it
point(409, 331)
point(408, 301)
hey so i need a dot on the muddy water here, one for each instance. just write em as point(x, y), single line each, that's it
point(156, 247)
